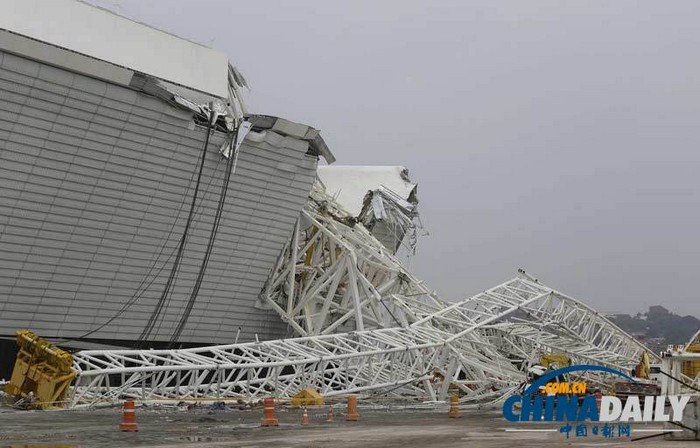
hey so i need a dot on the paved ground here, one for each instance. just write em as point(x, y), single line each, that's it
point(203, 427)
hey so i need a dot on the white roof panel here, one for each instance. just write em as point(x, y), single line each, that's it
point(350, 184)
point(101, 34)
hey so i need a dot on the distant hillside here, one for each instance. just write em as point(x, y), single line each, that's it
point(657, 328)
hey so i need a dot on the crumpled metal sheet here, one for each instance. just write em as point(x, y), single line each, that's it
point(350, 184)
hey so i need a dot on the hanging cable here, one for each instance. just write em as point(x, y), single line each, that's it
point(140, 288)
point(232, 160)
point(181, 247)
point(678, 380)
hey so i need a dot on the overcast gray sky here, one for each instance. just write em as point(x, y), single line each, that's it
point(557, 136)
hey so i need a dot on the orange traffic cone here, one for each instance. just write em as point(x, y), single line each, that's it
point(329, 417)
point(269, 417)
point(305, 418)
point(352, 414)
point(128, 423)
point(454, 409)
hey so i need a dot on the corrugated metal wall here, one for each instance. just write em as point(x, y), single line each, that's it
point(92, 178)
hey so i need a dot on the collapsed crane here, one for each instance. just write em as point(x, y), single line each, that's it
point(366, 324)
point(403, 360)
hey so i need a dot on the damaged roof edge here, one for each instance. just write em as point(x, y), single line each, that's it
point(192, 94)
point(297, 130)
point(349, 184)
point(51, 54)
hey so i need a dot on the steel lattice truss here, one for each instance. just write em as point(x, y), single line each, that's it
point(404, 360)
point(336, 364)
point(334, 275)
point(365, 324)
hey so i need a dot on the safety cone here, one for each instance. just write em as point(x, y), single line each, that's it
point(269, 417)
point(128, 423)
point(329, 417)
point(352, 414)
point(305, 418)
point(454, 409)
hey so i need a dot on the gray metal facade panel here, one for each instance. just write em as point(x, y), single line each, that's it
point(95, 186)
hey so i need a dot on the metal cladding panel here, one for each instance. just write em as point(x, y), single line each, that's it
point(96, 32)
point(95, 186)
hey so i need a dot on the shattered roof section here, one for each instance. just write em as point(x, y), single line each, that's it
point(350, 184)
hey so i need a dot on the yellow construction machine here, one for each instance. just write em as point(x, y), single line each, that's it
point(555, 361)
point(691, 369)
point(42, 373)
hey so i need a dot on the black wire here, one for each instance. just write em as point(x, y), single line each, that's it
point(651, 436)
point(210, 244)
point(389, 311)
point(680, 381)
point(169, 298)
point(140, 292)
point(167, 237)
point(684, 426)
point(167, 302)
point(413, 380)
point(178, 258)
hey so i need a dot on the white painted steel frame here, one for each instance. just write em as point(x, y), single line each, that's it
point(334, 275)
point(405, 361)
